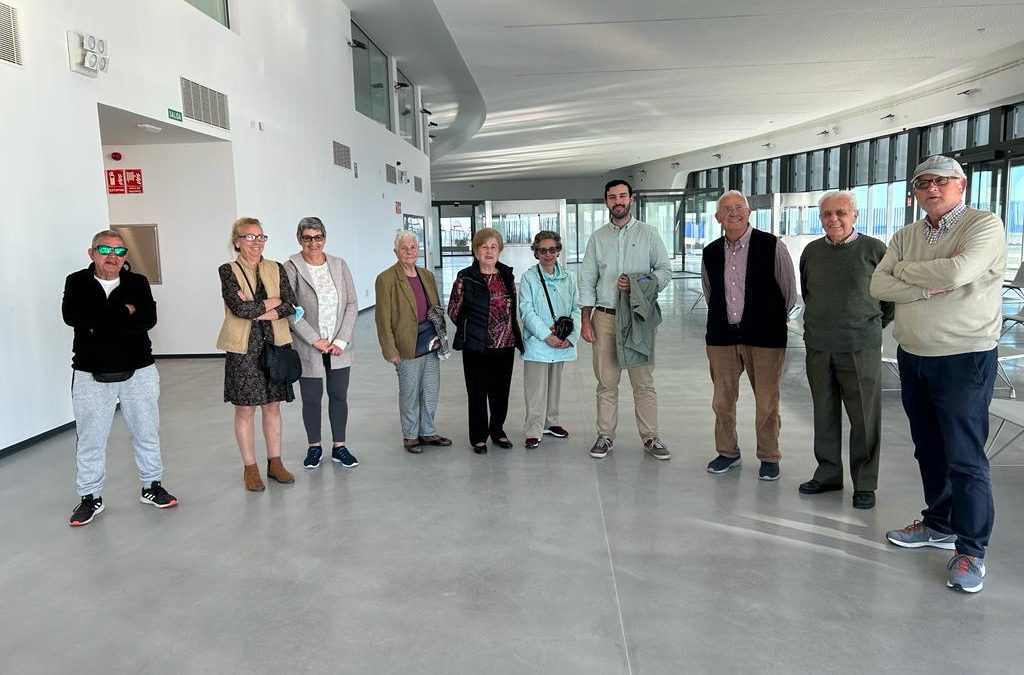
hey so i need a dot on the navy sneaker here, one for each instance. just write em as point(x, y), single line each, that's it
point(721, 464)
point(342, 456)
point(965, 573)
point(769, 471)
point(88, 508)
point(313, 455)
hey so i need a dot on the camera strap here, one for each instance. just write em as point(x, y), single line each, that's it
point(543, 285)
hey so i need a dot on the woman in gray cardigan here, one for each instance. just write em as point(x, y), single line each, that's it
point(324, 289)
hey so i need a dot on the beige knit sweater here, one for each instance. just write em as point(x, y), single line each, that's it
point(968, 263)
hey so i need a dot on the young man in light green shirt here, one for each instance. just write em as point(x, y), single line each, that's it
point(622, 246)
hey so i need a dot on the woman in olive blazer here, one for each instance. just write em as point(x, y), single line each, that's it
point(404, 294)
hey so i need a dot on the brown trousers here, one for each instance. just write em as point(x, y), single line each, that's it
point(764, 370)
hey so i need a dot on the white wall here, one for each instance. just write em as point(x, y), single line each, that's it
point(189, 192)
point(553, 188)
point(525, 206)
point(285, 65)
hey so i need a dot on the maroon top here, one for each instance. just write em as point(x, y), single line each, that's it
point(421, 297)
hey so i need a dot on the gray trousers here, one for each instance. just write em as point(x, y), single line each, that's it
point(852, 380)
point(419, 381)
point(542, 386)
point(94, 404)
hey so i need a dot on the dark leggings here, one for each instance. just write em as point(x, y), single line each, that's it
point(312, 390)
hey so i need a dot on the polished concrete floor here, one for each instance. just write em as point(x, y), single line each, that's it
point(518, 561)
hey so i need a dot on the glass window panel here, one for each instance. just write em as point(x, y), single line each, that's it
point(747, 178)
point(761, 177)
point(979, 132)
point(931, 142)
point(702, 179)
point(817, 180)
point(1015, 218)
point(958, 135)
point(798, 174)
point(408, 116)
point(776, 175)
point(833, 168)
point(880, 169)
point(713, 178)
point(901, 156)
point(861, 166)
point(370, 79)
point(215, 9)
point(1017, 124)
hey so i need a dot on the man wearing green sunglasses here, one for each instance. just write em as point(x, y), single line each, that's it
point(112, 310)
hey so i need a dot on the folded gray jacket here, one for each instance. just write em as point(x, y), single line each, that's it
point(636, 318)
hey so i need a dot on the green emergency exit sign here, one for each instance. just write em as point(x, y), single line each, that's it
point(174, 114)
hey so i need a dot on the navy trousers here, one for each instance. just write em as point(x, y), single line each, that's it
point(946, 399)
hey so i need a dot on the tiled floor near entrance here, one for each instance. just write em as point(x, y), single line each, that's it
point(517, 561)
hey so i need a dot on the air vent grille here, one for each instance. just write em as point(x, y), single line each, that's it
point(10, 42)
point(342, 155)
point(417, 183)
point(391, 173)
point(204, 104)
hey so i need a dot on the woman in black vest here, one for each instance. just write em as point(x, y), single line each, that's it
point(483, 308)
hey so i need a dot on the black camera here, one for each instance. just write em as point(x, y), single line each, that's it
point(563, 327)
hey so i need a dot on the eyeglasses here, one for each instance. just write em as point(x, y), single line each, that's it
point(119, 251)
point(925, 183)
point(311, 238)
point(838, 213)
point(253, 237)
point(734, 209)
point(549, 250)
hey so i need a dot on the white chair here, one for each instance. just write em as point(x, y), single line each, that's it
point(1017, 284)
point(1014, 319)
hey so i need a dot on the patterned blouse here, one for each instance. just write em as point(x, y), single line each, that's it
point(326, 298)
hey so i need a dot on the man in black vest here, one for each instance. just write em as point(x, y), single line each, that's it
point(750, 287)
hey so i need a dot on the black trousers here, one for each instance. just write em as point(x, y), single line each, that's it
point(488, 378)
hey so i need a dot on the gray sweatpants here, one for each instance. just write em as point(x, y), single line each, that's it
point(94, 405)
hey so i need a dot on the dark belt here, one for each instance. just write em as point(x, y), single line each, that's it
point(605, 310)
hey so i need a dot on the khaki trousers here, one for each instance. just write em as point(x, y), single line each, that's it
point(608, 373)
point(542, 385)
point(763, 366)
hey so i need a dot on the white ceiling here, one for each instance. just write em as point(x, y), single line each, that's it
point(578, 87)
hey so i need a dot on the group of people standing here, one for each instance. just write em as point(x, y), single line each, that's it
point(939, 281)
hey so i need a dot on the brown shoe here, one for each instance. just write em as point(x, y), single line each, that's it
point(276, 470)
point(435, 440)
point(251, 476)
point(412, 445)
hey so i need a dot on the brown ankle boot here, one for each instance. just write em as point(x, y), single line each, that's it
point(251, 476)
point(276, 470)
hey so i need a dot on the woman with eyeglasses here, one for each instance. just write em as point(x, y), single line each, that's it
point(257, 301)
point(325, 291)
point(483, 308)
point(547, 294)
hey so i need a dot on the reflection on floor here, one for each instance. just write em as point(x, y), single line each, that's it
point(544, 561)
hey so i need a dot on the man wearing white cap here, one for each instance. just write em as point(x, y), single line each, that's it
point(945, 275)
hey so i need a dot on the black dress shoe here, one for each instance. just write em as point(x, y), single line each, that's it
point(813, 487)
point(864, 499)
point(502, 441)
point(480, 449)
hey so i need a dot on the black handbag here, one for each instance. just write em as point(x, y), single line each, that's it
point(563, 325)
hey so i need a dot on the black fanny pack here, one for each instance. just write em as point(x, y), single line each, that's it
point(119, 376)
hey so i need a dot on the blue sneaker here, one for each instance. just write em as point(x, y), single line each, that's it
point(342, 456)
point(769, 471)
point(965, 573)
point(721, 464)
point(919, 535)
point(313, 456)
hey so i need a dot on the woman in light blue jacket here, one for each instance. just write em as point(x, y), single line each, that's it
point(545, 352)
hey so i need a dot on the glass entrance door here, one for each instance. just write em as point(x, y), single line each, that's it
point(661, 210)
point(1015, 217)
point(985, 182)
point(697, 225)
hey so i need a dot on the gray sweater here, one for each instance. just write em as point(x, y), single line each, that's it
point(968, 263)
point(839, 313)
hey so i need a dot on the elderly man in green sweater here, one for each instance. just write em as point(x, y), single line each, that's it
point(843, 334)
point(945, 274)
